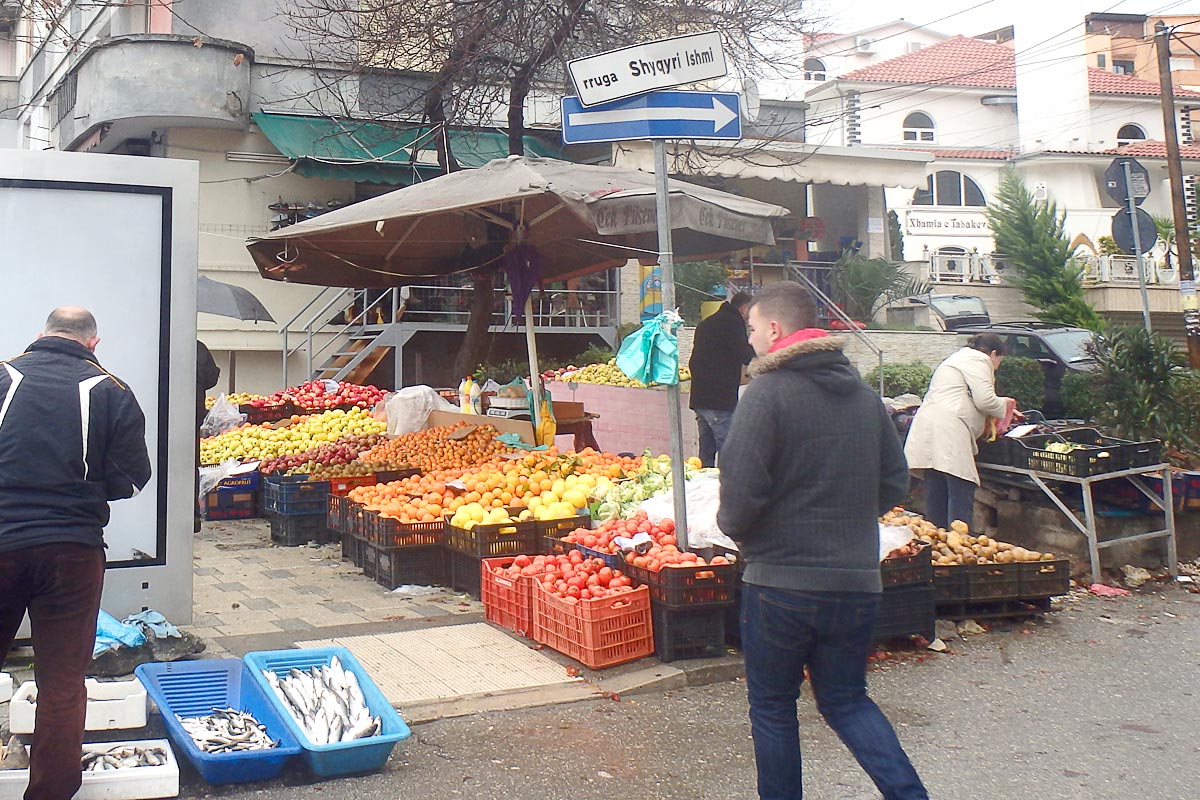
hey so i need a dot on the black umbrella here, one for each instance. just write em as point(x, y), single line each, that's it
point(222, 299)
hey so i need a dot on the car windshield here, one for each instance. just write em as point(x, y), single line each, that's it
point(1070, 346)
point(958, 305)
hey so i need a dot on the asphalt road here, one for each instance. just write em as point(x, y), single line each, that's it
point(1098, 700)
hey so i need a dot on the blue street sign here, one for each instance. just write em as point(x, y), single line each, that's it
point(657, 115)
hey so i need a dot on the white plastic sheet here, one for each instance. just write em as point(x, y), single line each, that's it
point(409, 408)
point(703, 494)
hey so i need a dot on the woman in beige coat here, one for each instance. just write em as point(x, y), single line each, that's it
point(953, 414)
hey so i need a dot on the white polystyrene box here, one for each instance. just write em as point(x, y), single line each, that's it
point(112, 705)
point(132, 783)
point(6, 687)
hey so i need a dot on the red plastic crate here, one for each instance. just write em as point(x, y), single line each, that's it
point(596, 633)
point(507, 601)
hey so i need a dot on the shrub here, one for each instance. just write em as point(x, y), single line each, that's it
point(1081, 395)
point(898, 379)
point(1022, 379)
point(595, 354)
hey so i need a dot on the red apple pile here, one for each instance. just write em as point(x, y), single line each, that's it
point(342, 452)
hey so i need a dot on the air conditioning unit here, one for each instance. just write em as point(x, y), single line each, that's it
point(865, 44)
point(914, 46)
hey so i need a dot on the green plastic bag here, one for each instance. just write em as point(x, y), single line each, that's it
point(651, 353)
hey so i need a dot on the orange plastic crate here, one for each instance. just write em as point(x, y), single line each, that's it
point(507, 601)
point(597, 633)
point(342, 486)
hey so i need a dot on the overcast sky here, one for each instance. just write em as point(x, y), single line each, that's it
point(977, 16)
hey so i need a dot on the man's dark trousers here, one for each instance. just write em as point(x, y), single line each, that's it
point(59, 585)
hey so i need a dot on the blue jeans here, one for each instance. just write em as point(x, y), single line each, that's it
point(785, 631)
point(713, 427)
point(948, 498)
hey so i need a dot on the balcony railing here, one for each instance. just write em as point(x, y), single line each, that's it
point(1098, 271)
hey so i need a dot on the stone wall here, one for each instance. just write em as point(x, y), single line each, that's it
point(928, 347)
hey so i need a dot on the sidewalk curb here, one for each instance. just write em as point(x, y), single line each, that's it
point(651, 679)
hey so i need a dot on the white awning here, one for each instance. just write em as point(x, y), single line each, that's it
point(785, 161)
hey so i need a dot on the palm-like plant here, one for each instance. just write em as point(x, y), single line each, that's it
point(868, 284)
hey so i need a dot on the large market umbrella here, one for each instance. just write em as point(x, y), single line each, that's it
point(578, 218)
point(225, 300)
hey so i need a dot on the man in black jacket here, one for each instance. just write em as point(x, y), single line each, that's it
point(810, 463)
point(72, 438)
point(719, 352)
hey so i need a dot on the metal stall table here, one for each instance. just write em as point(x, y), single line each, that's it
point(1087, 526)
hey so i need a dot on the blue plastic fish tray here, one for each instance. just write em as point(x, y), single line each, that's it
point(194, 689)
point(339, 758)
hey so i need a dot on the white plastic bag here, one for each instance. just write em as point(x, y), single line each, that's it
point(703, 495)
point(211, 476)
point(409, 408)
point(223, 416)
point(891, 537)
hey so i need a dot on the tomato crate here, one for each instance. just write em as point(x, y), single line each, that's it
point(425, 565)
point(507, 601)
point(1045, 578)
point(907, 570)
point(972, 582)
point(612, 560)
point(906, 611)
point(680, 587)
point(294, 494)
point(681, 633)
point(554, 528)
point(494, 541)
point(383, 531)
point(293, 530)
point(230, 503)
point(1096, 455)
point(465, 573)
point(596, 633)
point(342, 486)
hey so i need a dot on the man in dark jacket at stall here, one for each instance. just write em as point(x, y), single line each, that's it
point(810, 463)
point(719, 352)
point(72, 438)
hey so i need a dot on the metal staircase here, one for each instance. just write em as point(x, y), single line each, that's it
point(352, 325)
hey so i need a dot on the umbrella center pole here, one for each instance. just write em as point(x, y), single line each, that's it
point(666, 261)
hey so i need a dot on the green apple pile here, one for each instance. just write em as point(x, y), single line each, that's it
point(263, 442)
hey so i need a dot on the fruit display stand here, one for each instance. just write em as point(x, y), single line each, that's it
point(1086, 482)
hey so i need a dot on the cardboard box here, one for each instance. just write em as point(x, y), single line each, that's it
point(520, 427)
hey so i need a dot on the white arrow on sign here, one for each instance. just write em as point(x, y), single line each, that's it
point(720, 115)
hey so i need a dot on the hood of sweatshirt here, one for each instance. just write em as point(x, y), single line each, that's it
point(821, 360)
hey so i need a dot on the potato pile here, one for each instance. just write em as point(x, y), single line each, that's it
point(957, 546)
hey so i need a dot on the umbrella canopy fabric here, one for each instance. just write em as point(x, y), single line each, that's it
point(581, 218)
point(224, 300)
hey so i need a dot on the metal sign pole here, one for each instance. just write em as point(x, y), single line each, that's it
point(674, 412)
point(1137, 244)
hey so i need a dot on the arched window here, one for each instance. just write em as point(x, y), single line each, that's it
point(949, 188)
point(1129, 134)
point(814, 69)
point(918, 127)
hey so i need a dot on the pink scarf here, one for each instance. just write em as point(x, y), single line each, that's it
point(802, 335)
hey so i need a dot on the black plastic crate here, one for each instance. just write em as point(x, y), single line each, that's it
point(906, 611)
point(352, 549)
point(1098, 455)
point(292, 530)
point(1045, 578)
point(686, 587)
point(337, 514)
point(977, 582)
point(465, 573)
point(556, 528)
point(424, 565)
point(257, 416)
point(494, 541)
point(911, 570)
point(295, 494)
point(993, 609)
point(384, 531)
point(229, 502)
point(552, 545)
point(999, 452)
point(681, 633)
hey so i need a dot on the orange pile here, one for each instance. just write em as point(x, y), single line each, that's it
point(433, 449)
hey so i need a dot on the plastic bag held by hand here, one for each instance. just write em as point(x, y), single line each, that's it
point(223, 416)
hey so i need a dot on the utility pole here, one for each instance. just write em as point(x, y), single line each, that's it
point(1183, 238)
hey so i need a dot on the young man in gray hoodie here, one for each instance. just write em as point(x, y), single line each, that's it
point(811, 461)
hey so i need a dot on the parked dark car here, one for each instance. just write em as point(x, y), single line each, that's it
point(1058, 348)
